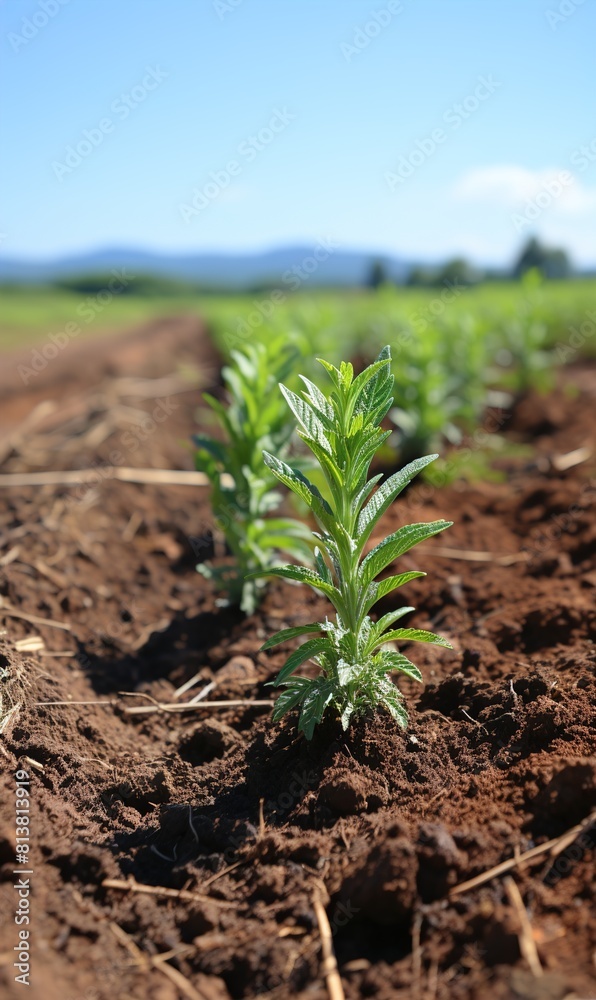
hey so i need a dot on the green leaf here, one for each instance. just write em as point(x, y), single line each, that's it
point(346, 373)
point(289, 633)
point(388, 619)
point(221, 412)
point(363, 493)
point(346, 715)
point(286, 526)
point(376, 591)
point(414, 635)
point(300, 485)
point(390, 660)
point(296, 691)
point(333, 475)
point(397, 544)
point(322, 567)
point(365, 455)
point(369, 373)
point(317, 399)
point(298, 528)
point(306, 416)
point(304, 575)
point(348, 672)
point(392, 699)
point(386, 494)
point(214, 448)
point(331, 371)
point(375, 638)
point(313, 707)
point(305, 652)
point(247, 366)
point(377, 397)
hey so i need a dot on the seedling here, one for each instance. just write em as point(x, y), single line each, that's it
point(242, 490)
point(343, 430)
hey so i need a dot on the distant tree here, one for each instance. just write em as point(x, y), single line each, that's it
point(458, 271)
point(551, 262)
point(421, 276)
point(377, 275)
point(145, 285)
point(558, 264)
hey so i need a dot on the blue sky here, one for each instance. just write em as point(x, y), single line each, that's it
point(424, 128)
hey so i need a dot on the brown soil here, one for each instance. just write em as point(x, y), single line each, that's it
point(499, 756)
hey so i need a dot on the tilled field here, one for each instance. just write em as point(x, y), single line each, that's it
point(182, 854)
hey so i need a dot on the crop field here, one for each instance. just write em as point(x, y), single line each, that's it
point(298, 500)
point(371, 825)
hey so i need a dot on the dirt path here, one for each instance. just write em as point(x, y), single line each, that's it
point(382, 825)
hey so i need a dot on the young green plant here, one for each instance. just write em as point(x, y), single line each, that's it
point(243, 492)
point(343, 430)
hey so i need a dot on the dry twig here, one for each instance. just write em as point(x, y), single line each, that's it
point(225, 871)
point(158, 962)
point(125, 474)
point(417, 956)
point(158, 706)
point(32, 644)
point(553, 847)
point(572, 458)
point(470, 556)
point(178, 979)
point(527, 943)
point(10, 556)
point(10, 612)
point(197, 706)
point(35, 764)
point(329, 963)
point(70, 704)
point(130, 885)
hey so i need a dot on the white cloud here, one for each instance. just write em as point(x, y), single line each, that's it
point(511, 186)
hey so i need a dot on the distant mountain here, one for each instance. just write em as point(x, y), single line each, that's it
point(226, 271)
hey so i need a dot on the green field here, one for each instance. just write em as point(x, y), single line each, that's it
point(458, 351)
point(30, 314)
